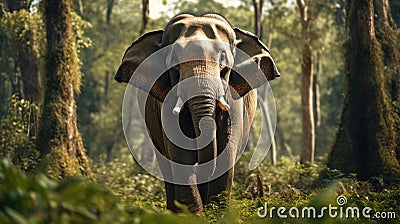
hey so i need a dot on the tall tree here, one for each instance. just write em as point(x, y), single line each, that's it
point(59, 140)
point(308, 129)
point(366, 140)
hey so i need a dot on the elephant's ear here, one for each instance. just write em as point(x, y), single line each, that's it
point(136, 53)
point(245, 74)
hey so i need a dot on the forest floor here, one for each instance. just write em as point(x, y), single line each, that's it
point(287, 184)
point(125, 193)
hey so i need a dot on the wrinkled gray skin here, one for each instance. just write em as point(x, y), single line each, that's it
point(231, 131)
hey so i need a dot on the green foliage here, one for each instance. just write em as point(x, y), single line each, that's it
point(18, 134)
point(130, 182)
point(38, 199)
point(240, 16)
point(137, 197)
point(200, 7)
point(289, 184)
point(22, 33)
point(80, 27)
point(17, 29)
point(100, 101)
point(285, 48)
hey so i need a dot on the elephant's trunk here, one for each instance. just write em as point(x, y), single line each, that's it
point(202, 106)
point(203, 114)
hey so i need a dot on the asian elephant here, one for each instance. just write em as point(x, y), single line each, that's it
point(205, 48)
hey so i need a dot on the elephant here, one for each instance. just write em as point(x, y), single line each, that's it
point(205, 48)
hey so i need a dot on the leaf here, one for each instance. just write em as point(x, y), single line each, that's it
point(16, 216)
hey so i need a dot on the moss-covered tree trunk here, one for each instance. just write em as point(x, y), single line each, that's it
point(366, 140)
point(386, 34)
point(59, 140)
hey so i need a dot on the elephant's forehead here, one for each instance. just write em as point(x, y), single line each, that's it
point(212, 28)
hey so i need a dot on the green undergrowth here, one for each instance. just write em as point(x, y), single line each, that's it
point(124, 193)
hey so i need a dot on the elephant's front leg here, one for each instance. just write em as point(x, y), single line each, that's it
point(165, 167)
point(185, 188)
point(223, 184)
point(230, 139)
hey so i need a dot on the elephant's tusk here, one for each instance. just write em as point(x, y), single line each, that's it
point(221, 95)
point(223, 104)
point(178, 106)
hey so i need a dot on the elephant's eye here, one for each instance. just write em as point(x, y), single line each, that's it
point(222, 60)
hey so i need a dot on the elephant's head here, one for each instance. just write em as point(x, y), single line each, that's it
point(204, 47)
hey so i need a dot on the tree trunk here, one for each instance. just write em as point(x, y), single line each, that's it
point(107, 79)
point(270, 27)
point(308, 135)
point(59, 140)
point(365, 143)
point(386, 33)
point(308, 131)
point(110, 5)
point(28, 60)
point(317, 107)
point(258, 18)
point(145, 15)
